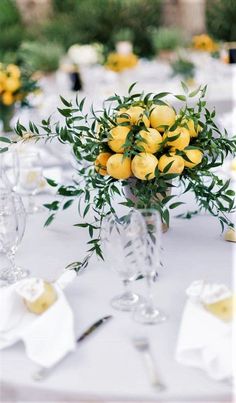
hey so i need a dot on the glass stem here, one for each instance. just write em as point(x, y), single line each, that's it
point(11, 257)
point(126, 284)
point(149, 291)
point(31, 202)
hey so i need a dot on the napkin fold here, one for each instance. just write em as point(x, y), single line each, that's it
point(47, 337)
point(204, 340)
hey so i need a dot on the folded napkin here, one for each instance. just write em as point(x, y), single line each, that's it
point(48, 337)
point(205, 340)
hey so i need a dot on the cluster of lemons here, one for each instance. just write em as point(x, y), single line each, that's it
point(205, 43)
point(10, 83)
point(118, 61)
point(150, 141)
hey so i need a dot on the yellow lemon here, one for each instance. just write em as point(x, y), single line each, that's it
point(144, 165)
point(119, 167)
point(195, 156)
point(230, 235)
point(191, 128)
point(101, 163)
point(162, 115)
point(12, 84)
point(118, 138)
point(151, 140)
point(177, 166)
point(7, 98)
point(13, 70)
point(137, 115)
point(42, 303)
point(122, 119)
point(181, 142)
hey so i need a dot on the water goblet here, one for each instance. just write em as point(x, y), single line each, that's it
point(123, 247)
point(12, 227)
point(11, 167)
point(31, 177)
point(148, 313)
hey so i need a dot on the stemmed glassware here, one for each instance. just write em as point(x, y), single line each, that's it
point(12, 227)
point(122, 240)
point(11, 167)
point(31, 177)
point(150, 223)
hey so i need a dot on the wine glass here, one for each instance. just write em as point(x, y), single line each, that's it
point(11, 167)
point(148, 313)
point(123, 252)
point(12, 227)
point(31, 178)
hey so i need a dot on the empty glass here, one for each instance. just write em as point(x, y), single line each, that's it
point(122, 240)
point(147, 312)
point(12, 227)
point(31, 177)
point(11, 167)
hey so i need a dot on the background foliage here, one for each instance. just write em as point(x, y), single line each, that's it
point(221, 19)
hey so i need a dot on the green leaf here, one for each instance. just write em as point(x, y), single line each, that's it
point(65, 102)
point(184, 86)
point(68, 204)
point(174, 205)
point(5, 140)
point(181, 97)
point(3, 150)
point(131, 87)
point(51, 182)
point(49, 220)
point(52, 206)
point(195, 92)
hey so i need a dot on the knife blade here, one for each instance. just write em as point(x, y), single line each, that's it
point(43, 372)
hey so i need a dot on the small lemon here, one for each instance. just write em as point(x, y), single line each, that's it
point(13, 70)
point(151, 140)
point(230, 235)
point(122, 119)
point(177, 166)
point(195, 156)
point(118, 138)
point(12, 84)
point(42, 303)
point(181, 142)
point(233, 165)
point(119, 167)
point(162, 115)
point(144, 165)
point(101, 163)
point(137, 115)
point(191, 127)
point(7, 98)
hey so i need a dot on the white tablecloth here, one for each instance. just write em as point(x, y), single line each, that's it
point(107, 366)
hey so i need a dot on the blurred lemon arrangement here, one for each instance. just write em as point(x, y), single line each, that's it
point(15, 85)
point(119, 62)
point(205, 43)
point(140, 139)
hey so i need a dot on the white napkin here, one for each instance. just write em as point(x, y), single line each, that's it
point(47, 337)
point(204, 340)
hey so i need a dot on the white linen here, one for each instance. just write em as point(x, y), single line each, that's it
point(47, 337)
point(205, 341)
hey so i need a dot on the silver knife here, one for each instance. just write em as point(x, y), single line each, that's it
point(43, 372)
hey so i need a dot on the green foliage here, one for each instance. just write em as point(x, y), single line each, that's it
point(36, 56)
point(167, 39)
point(88, 21)
point(12, 29)
point(94, 194)
point(221, 19)
point(183, 67)
point(124, 35)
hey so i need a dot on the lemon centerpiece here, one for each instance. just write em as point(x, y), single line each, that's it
point(156, 141)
